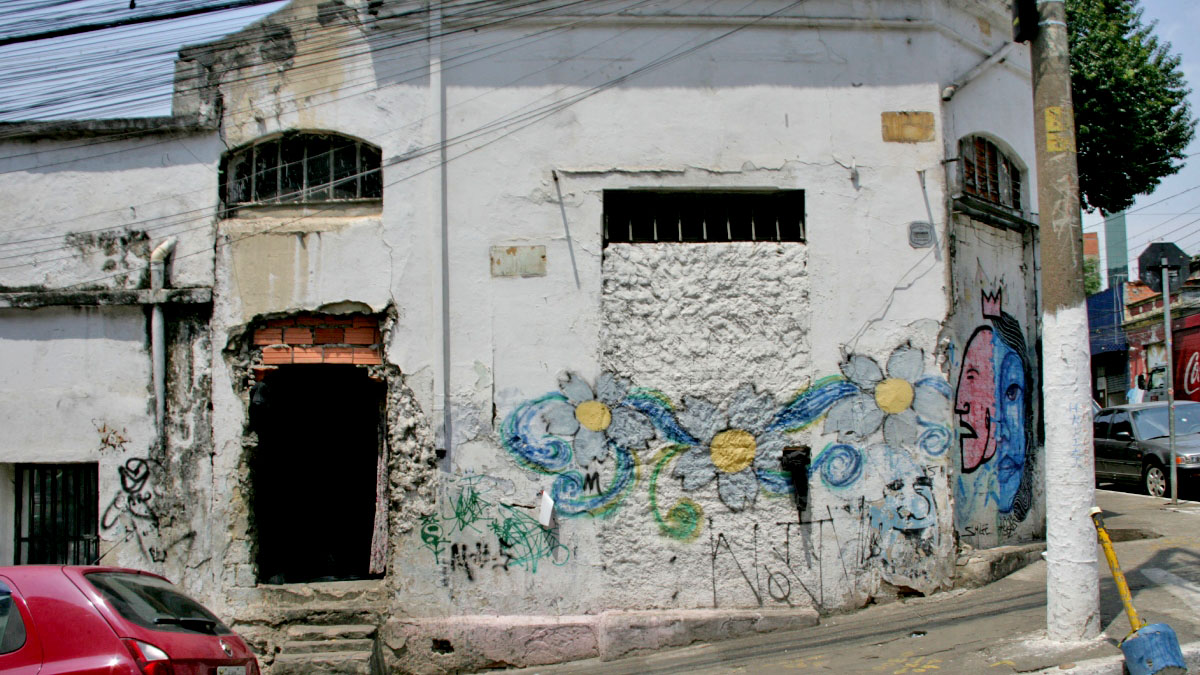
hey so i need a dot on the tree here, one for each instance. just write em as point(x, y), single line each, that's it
point(1091, 275)
point(1132, 116)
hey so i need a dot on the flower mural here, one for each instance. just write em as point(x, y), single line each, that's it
point(732, 447)
point(597, 418)
point(736, 444)
point(904, 402)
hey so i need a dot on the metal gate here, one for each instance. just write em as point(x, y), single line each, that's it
point(57, 512)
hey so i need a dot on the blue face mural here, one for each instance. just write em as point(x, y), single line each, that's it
point(993, 404)
point(1010, 441)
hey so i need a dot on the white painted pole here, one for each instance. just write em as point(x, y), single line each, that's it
point(1072, 577)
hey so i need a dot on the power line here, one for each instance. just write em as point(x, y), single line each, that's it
point(131, 21)
point(522, 121)
point(203, 213)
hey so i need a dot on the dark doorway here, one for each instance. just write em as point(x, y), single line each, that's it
point(314, 472)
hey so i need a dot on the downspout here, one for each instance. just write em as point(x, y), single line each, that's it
point(158, 348)
point(999, 56)
point(438, 86)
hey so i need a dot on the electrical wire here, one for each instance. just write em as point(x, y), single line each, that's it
point(522, 121)
point(204, 212)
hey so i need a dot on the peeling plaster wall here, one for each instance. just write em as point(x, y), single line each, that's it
point(49, 411)
point(90, 213)
point(838, 343)
point(78, 389)
point(993, 351)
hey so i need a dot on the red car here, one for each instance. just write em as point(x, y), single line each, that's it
point(92, 620)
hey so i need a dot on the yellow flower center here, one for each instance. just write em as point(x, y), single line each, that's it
point(893, 395)
point(593, 415)
point(733, 450)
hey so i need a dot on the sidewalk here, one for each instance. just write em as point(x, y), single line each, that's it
point(998, 628)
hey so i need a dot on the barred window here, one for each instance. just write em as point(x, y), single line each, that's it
point(301, 167)
point(988, 173)
point(698, 216)
point(56, 514)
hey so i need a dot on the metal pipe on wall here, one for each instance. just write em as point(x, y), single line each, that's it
point(158, 348)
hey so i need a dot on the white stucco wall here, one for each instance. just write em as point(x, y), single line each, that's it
point(88, 211)
point(70, 373)
point(790, 343)
point(787, 103)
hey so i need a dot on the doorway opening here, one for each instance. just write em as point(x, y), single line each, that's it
point(314, 472)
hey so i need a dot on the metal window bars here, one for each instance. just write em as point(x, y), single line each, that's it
point(57, 514)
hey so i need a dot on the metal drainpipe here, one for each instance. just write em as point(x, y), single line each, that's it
point(158, 350)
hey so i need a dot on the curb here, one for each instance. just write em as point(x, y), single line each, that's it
point(981, 567)
point(438, 645)
point(1115, 665)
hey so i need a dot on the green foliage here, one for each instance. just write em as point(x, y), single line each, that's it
point(1091, 275)
point(1132, 117)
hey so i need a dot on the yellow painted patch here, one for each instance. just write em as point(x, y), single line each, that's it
point(1060, 131)
point(733, 450)
point(893, 395)
point(593, 415)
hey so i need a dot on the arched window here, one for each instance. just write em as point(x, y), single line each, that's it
point(300, 167)
point(988, 173)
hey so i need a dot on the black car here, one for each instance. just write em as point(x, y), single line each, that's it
point(1132, 444)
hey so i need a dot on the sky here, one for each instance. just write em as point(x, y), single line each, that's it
point(127, 72)
point(1176, 218)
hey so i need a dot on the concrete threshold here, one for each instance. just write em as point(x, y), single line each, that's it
point(448, 644)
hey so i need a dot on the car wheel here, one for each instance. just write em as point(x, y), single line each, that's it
point(1155, 481)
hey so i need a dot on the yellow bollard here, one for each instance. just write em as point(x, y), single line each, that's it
point(1118, 576)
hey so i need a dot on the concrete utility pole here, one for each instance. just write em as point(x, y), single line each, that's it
point(1072, 579)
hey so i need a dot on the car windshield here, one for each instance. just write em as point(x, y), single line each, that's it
point(1153, 422)
point(153, 603)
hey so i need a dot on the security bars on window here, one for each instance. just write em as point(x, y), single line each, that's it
point(677, 216)
point(302, 168)
point(56, 514)
point(989, 174)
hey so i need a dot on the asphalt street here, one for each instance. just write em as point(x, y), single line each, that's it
point(999, 628)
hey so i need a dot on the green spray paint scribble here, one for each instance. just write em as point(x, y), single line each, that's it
point(685, 518)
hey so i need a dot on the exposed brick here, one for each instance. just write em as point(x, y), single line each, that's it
point(367, 356)
point(360, 336)
point(280, 323)
point(260, 372)
point(268, 336)
point(339, 354)
point(338, 321)
point(365, 322)
point(298, 336)
point(277, 355)
point(310, 320)
point(307, 355)
point(329, 336)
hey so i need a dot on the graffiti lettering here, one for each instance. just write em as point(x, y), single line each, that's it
point(591, 482)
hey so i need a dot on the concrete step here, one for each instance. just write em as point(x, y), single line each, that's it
point(325, 663)
point(321, 646)
point(335, 632)
point(371, 591)
point(323, 614)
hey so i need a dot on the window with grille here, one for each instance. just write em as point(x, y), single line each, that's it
point(989, 174)
point(301, 167)
point(678, 216)
point(57, 513)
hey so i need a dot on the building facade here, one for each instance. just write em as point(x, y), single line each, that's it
point(747, 293)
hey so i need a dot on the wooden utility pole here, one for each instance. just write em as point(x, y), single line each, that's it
point(1072, 579)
